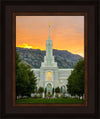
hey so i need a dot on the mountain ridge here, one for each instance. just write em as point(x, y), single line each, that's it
point(34, 57)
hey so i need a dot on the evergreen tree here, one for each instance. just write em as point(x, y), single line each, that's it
point(75, 84)
point(25, 78)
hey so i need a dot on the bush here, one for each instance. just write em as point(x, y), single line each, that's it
point(49, 95)
point(39, 96)
point(40, 90)
point(57, 90)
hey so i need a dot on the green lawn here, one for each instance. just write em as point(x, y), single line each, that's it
point(51, 100)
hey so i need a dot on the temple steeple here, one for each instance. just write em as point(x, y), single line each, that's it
point(49, 58)
point(49, 32)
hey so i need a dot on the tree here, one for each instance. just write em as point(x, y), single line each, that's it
point(57, 90)
point(25, 78)
point(75, 84)
point(40, 90)
point(18, 60)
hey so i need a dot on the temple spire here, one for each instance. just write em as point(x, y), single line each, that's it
point(49, 30)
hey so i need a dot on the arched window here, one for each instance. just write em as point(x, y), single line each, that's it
point(49, 76)
point(63, 89)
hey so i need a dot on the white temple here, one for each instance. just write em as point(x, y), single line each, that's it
point(49, 75)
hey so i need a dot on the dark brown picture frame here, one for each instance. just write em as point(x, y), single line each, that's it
point(14, 14)
point(8, 108)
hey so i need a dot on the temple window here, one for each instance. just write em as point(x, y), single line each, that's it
point(49, 76)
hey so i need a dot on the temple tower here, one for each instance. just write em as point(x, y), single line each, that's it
point(49, 68)
point(49, 58)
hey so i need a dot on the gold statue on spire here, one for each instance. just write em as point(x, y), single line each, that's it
point(49, 24)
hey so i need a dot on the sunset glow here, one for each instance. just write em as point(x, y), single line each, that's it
point(28, 47)
point(67, 32)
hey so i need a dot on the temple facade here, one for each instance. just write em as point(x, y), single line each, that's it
point(49, 75)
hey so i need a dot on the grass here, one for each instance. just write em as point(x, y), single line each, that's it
point(51, 100)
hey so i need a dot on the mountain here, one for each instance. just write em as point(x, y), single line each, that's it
point(34, 57)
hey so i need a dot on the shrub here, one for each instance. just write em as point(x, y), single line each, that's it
point(40, 90)
point(57, 90)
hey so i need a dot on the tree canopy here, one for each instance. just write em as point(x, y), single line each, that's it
point(75, 85)
point(25, 78)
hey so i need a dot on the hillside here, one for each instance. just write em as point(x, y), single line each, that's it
point(34, 57)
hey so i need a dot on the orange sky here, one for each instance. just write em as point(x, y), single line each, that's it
point(67, 32)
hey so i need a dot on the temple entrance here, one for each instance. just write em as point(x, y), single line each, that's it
point(49, 89)
point(48, 92)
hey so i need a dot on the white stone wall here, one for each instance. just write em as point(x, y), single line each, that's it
point(64, 73)
point(59, 76)
point(37, 73)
